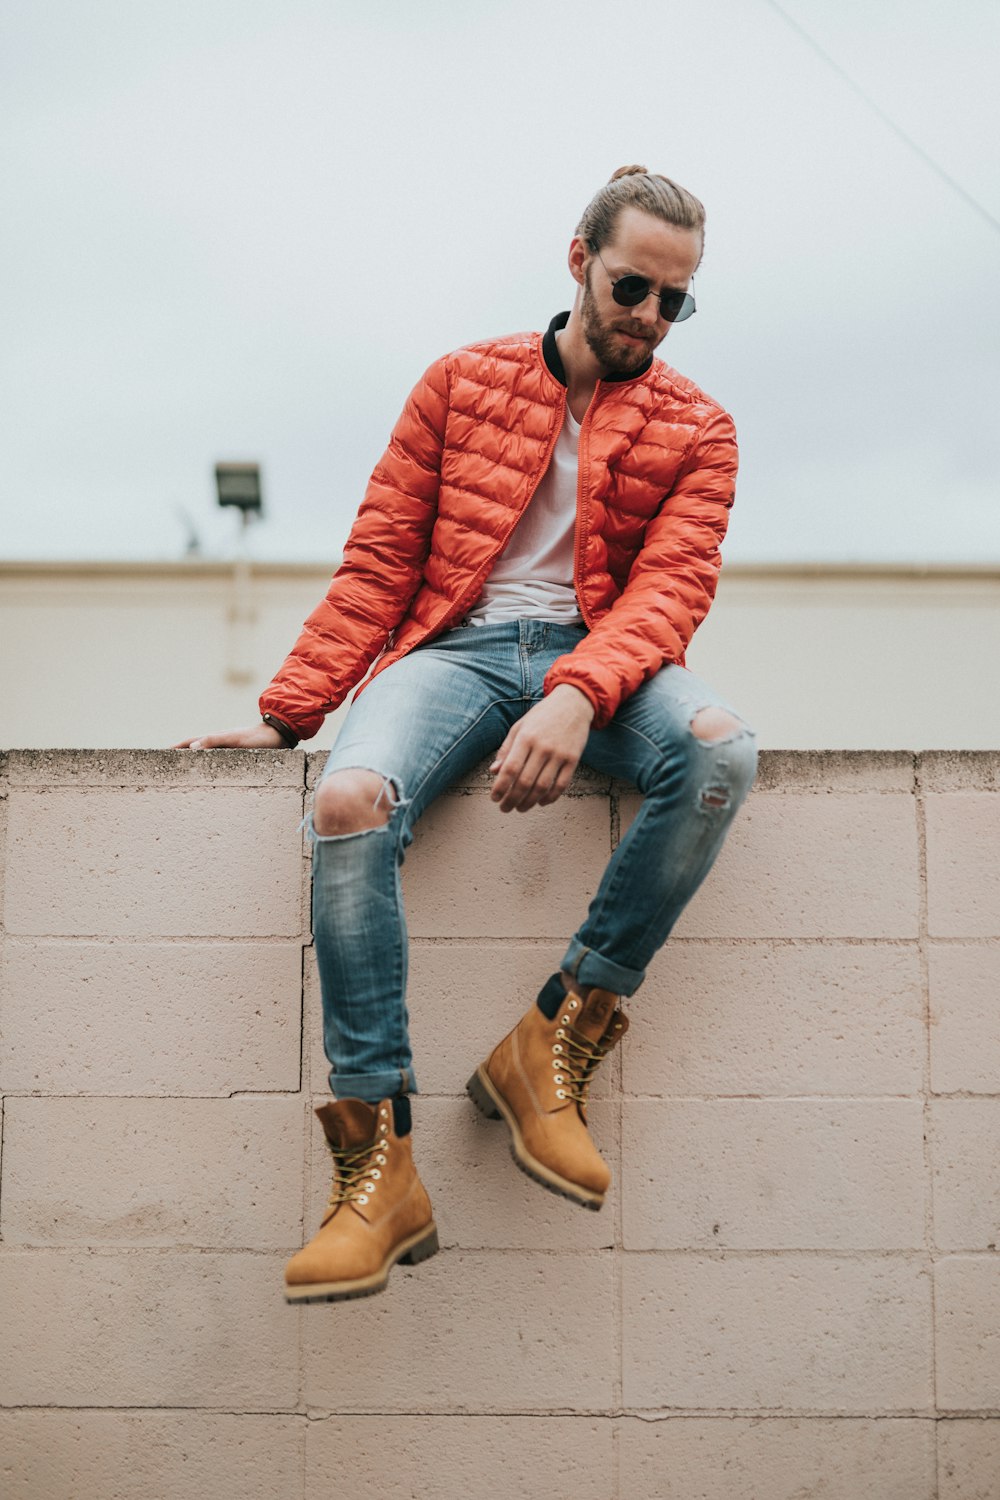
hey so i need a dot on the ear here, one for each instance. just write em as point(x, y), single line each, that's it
point(578, 260)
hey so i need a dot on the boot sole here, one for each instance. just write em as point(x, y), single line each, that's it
point(495, 1107)
point(409, 1252)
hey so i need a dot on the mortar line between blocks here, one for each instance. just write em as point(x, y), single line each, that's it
point(618, 1289)
point(303, 1457)
point(649, 1415)
point(762, 940)
point(3, 1126)
point(923, 958)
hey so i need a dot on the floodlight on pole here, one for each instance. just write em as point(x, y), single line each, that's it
point(238, 484)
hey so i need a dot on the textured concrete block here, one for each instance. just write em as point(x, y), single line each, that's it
point(963, 864)
point(773, 1174)
point(139, 769)
point(191, 863)
point(471, 1331)
point(225, 1173)
point(476, 872)
point(836, 771)
point(777, 1018)
point(969, 1458)
point(783, 1332)
point(128, 1455)
point(967, 1316)
point(149, 1018)
point(959, 770)
point(965, 1150)
point(460, 1458)
point(481, 1199)
point(805, 865)
point(777, 1458)
point(146, 1328)
point(965, 1039)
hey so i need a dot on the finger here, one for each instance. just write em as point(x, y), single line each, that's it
point(542, 793)
point(508, 769)
point(504, 751)
point(521, 793)
point(512, 784)
point(556, 790)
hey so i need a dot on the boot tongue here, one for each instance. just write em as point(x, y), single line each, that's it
point(595, 1014)
point(349, 1122)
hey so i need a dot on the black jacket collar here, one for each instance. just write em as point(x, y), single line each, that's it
point(550, 353)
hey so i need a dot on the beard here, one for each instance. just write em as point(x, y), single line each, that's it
point(616, 357)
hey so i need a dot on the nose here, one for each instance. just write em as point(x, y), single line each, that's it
point(648, 310)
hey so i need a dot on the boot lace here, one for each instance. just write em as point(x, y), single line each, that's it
point(576, 1058)
point(356, 1171)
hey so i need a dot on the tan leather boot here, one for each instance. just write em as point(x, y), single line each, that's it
point(537, 1081)
point(379, 1212)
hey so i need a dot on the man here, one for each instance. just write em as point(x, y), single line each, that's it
point(533, 554)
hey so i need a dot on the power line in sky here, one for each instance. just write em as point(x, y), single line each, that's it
point(918, 150)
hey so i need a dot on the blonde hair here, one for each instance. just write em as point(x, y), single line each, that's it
point(635, 187)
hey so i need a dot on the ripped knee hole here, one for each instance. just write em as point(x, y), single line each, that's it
point(715, 724)
point(353, 801)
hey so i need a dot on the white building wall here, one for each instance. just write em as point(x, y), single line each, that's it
point(125, 655)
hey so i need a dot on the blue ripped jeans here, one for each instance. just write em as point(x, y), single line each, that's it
point(432, 717)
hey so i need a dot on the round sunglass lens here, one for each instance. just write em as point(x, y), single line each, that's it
point(676, 306)
point(629, 291)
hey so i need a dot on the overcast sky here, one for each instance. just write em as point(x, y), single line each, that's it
point(242, 228)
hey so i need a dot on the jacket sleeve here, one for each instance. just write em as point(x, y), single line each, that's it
point(671, 584)
point(383, 566)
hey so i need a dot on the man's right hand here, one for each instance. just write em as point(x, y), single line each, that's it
point(257, 737)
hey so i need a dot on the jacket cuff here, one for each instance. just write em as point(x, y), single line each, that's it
point(604, 711)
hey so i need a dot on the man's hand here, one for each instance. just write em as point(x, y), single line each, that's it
point(257, 737)
point(535, 763)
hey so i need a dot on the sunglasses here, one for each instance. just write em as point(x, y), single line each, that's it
point(629, 291)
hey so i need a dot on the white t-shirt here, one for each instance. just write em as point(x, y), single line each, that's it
point(533, 576)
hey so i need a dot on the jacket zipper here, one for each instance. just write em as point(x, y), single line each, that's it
point(582, 488)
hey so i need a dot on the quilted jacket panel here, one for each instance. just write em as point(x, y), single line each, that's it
point(657, 467)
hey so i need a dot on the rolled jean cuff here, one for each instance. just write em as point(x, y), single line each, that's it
point(373, 1087)
point(590, 968)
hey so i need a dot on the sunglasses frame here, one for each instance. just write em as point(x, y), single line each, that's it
point(683, 312)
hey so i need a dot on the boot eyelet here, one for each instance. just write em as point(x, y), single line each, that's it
point(560, 1033)
point(380, 1160)
point(557, 1048)
point(369, 1187)
point(362, 1198)
point(573, 1004)
point(376, 1174)
point(565, 1021)
point(560, 1093)
point(559, 1078)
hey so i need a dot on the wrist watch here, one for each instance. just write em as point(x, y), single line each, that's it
point(287, 733)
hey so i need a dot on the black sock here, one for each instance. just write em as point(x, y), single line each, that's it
point(402, 1120)
point(551, 996)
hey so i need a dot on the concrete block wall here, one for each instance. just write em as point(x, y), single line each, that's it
point(793, 1291)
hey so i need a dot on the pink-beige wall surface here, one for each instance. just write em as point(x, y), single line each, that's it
point(793, 1291)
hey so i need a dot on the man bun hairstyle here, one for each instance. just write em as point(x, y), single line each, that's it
point(636, 187)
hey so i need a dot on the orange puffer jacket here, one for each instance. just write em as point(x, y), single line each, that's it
point(657, 465)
